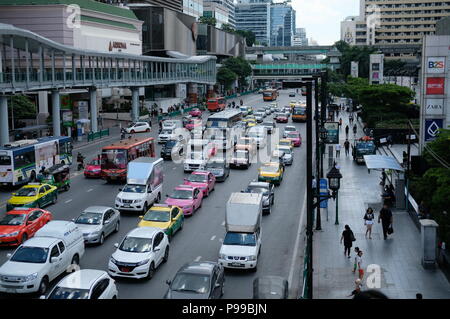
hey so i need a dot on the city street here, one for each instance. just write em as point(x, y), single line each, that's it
point(200, 239)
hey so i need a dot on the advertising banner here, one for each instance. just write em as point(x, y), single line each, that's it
point(323, 185)
point(354, 69)
point(435, 86)
point(436, 64)
point(434, 106)
point(332, 132)
point(432, 127)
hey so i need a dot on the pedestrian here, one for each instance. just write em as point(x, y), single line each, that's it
point(405, 159)
point(340, 122)
point(348, 238)
point(386, 218)
point(359, 263)
point(160, 126)
point(350, 119)
point(338, 150)
point(355, 263)
point(347, 147)
point(383, 177)
point(346, 131)
point(357, 290)
point(390, 142)
point(354, 129)
point(368, 221)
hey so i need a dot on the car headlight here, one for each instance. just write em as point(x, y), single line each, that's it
point(13, 234)
point(95, 233)
point(31, 277)
point(222, 256)
point(118, 200)
point(251, 258)
point(143, 262)
point(136, 201)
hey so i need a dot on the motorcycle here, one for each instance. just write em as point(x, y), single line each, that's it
point(80, 161)
point(122, 134)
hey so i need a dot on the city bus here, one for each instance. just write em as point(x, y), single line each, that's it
point(270, 95)
point(299, 114)
point(216, 104)
point(21, 161)
point(223, 128)
point(115, 157)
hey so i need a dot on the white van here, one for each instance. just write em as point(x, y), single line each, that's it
point(172, 124)
point(55, 248)
point(144, 185)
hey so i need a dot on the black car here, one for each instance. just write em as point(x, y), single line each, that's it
point(270, 287)
point(220, 169)
point(266, 190)
point(197, 280)
point(171, 147)
point(291, 94)
point(270, 126)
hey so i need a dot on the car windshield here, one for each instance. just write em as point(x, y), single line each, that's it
point(13, 219)
point(69, 293)
point(170, 144)
point(114, 159)
point(197, 178)
point(258, 190)
point(269, 168)
point(35, 255)
point(27, 192)
point(268, 124)
point(286, 150)
point(289, 129)
point(196, 156)
point(131, 188)
point(214, 165)
point(240, 239)
point(188, 282)
point(298, 111)
point(157, 216)
point(166, 132)
point(292, 135)
point(281, 115)
point(94, 162)
point(242, 154)
point(136, 245)
point(181, 194)
point(88, 218)
point(285, 143)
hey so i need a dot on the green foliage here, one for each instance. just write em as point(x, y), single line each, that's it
point(226, 77)
point(401, 123)
point(249, 36)
point(228, 28)
point(354, 53)
point(23, 107)
point(440, 146)
point(394, 67)
point(240, 67)
point(208, 20)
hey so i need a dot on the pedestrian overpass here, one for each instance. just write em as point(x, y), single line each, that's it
point(30, 62)
point(285, 71)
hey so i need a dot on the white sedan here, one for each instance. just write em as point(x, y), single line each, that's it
point(142, 250)
point(138, 127)
point(85, 284)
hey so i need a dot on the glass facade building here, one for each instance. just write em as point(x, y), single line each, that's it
point(254, 16)
point(282, 24)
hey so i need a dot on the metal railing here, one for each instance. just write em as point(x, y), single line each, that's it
point(92, 136)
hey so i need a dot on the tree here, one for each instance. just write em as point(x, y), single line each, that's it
point(208, 20)
point(351, 53)
point(228, 28)
point(394, 67)
point(226, 77)
point(23, 107)
point(239, 66)
point(249, 36)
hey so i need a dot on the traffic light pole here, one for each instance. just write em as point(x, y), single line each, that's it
point(318, 150)
point(309, 190)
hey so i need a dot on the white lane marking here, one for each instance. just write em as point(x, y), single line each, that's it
point(68, 201)
point(89, 190)
point(198, 258)
point(297, 243)
point(213, 237)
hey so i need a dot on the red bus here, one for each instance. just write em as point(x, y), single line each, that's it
point(216, 104)
point(270, 95)
point(115, 157)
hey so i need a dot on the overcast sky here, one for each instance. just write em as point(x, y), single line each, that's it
point(322, 18)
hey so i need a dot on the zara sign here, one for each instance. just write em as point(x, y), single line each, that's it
point(434, 106)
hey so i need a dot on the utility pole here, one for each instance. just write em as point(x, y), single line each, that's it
point(323, 111)
point(318, 150)
point(309, 190)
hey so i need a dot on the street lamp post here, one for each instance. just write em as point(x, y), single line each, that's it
point(334, 181)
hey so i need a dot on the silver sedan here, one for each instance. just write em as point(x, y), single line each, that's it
point(97, 222)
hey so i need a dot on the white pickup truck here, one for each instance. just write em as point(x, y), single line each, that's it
point(55, 248)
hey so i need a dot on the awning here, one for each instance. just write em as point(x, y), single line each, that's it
point(382, 161)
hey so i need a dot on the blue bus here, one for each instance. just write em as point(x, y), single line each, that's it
point(21, 161)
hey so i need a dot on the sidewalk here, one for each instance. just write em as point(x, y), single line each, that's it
point(402, 275)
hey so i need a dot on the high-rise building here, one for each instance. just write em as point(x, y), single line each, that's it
point(193, 8)
point(217, 11)
point(227, 4)
point(254, 15)
point(393, 22)
point(282, 24)
point(299, 38)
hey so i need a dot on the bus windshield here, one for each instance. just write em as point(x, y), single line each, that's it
point(114, 159)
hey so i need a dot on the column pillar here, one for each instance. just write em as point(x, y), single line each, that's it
point(428, 232)
point(43, 106)
point(192, 94)
point(93, 102)
point(56, 109)
point(135, 104)
point(4, 128)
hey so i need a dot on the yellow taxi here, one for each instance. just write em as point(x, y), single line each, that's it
point(286, 142)
point(250, 121)
point(167, 217)
point(271, 172)
point(292, 103)
point(33, 195)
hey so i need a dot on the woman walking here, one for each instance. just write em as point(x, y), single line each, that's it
point(368, 221)
point(348, 238)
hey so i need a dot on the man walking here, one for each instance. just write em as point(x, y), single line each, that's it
point(338, 150)
point(386, 219)
point(347, 147)
point(346, 131)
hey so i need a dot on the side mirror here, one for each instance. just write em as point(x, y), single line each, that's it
point(73, 219)
point(54, 259)
point(116, 245)
point(120, 189)
point(13, 194)
point(9, 255)
point(140, 217)
point(156, 249)
point(168, 282)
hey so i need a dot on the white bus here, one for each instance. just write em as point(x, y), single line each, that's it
point(222, 128)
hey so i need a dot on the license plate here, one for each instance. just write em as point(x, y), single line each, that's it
point(10, 290)
point(125, 269)
point(236, 265)
point(126, 206)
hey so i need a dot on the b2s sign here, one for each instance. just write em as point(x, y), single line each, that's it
point(436, 65)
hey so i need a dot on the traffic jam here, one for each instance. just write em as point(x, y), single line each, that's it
point(43, 250)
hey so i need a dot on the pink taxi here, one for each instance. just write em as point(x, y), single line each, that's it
point(187, 197)
point(93, 169)
point(195, 112)
point(193, 123)
point(202, 179)
point(295, 137)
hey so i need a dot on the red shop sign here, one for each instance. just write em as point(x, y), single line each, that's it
point(435, 86)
